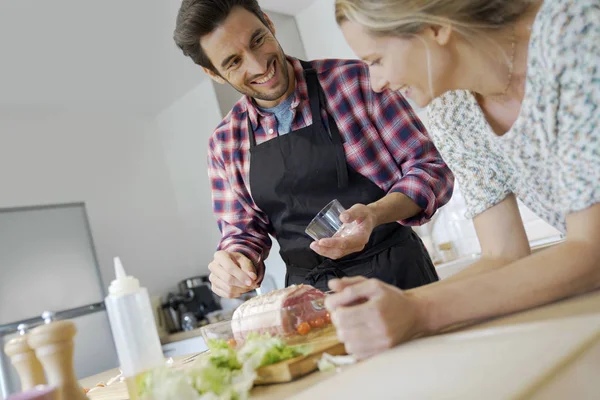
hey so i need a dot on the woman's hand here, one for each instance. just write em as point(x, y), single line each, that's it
point(371, 316)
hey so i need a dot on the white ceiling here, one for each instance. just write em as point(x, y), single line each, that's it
point(288, 7)
point(109, 55)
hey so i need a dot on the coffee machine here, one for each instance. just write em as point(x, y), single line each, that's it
point(201, 298)
point(188, 309)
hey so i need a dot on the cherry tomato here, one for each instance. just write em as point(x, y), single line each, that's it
point(303, 328)
point(327, 318)
point(232, 343)
point(317, 322)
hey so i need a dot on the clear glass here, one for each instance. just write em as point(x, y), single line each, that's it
point(327, 223)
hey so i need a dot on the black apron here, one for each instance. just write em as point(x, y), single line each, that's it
point(293, 176)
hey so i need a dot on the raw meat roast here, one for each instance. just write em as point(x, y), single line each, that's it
point(279, 312)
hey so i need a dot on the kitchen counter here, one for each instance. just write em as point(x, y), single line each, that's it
point(179, 336)
point(444, 270)
point(447, 269)
point(538, 353)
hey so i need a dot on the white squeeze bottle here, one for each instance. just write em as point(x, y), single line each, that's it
point(133, 328)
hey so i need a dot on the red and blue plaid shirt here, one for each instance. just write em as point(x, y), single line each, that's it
point(384, 141)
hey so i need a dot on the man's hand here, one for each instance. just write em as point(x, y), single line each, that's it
point(371, 316)
point(337, 247)
point(232, 274)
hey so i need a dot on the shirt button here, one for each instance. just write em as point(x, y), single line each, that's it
point(270, 131)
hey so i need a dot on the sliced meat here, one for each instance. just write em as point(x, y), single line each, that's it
point(279, 312)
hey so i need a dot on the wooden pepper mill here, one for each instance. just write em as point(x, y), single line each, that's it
point(24, 360)
point(54, 347)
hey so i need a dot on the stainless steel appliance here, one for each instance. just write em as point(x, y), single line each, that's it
point(48, 263)
point(189, 308)
point(200, 298)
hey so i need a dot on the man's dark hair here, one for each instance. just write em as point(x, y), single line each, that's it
point(197, 18)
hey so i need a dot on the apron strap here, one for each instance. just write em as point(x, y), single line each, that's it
point(318, 102)
point(340, 154)
point(312, 83)
point(251, 132)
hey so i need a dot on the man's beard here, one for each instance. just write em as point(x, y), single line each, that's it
point(255, 94)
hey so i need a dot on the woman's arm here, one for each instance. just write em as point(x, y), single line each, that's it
point(570, 268)
point(388, 316)
point(502, 238)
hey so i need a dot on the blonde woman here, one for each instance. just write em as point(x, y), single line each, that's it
point(513, 89)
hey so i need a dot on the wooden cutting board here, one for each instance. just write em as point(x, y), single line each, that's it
point(284, 371)
point(289, 370)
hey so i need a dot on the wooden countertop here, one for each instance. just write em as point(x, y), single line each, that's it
point(570, 330)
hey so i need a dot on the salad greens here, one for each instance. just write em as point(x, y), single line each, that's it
point(224, 374)
point(263, 350)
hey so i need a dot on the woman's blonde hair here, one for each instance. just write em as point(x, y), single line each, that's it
point(408, 17)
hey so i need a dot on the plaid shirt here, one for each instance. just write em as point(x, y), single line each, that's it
point(384, 141)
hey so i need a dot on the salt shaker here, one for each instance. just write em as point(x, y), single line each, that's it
point(54, 347)
point(23, 358)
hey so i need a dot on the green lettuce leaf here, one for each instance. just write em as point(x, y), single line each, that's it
point(224, 374)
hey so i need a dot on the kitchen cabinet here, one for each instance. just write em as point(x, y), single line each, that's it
point(184, 347)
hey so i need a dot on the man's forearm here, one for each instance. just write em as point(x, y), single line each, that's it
point(394, 207)
point(567, 269)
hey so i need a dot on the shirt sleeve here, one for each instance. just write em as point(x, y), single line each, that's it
point(425, 178)
point(243, 227)
point(466, 148)
point(578, 119)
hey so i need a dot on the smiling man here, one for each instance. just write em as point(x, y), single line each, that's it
point(303, 134)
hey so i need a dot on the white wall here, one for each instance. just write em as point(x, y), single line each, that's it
point(320, 34)
point(116, 166)
point(185, 128)
point(144, 180)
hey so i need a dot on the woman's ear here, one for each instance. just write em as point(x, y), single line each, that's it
point(440, 33)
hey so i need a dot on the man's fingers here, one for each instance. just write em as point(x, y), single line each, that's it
point(247, 266)
point(355, 213)
point(345, 243)
point(224, 293)
point(237, 277)
point(223, 289)
point(332, 252)
point(218, 270)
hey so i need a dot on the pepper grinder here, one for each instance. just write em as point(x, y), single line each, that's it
point(23, 358)
point(53, 345)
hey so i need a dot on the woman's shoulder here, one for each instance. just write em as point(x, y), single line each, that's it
point(452, 110)
point(562, 24)
point(560, 14)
